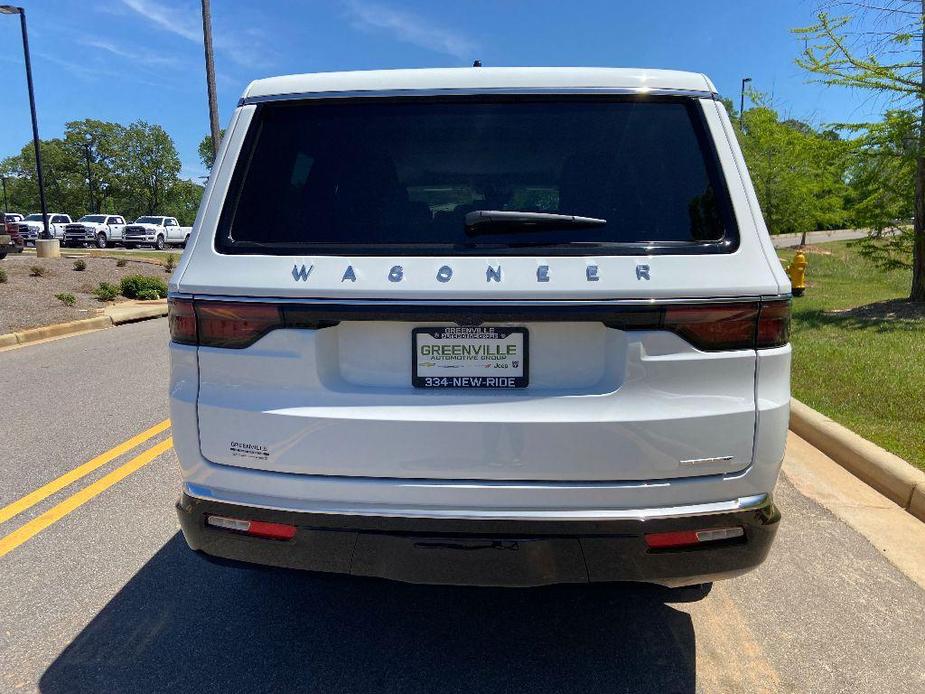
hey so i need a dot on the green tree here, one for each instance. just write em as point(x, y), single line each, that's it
point(96, 145)
point(183, 202)
point(881, 49)
point(799, 173)
point(882, 187)
point(206, 152)
point(148, 168)
point(63, 182)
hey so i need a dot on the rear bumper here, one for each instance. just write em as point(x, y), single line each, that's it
point(491, 552)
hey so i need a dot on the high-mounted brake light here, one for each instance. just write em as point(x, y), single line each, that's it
point(262, 529)
point(689, 538)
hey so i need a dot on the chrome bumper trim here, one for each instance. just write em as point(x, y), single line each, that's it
point(747, 503)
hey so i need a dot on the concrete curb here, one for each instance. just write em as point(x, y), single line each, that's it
point(113, 315)
point(887, 473)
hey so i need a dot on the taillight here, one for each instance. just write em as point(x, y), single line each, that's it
point(235, 325)
point(712, 327)
point(181, 317)
point(773, 324)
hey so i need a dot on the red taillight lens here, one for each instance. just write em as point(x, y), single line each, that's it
point(262, 529)
point(773, 324)
point(182, 320)
point(235, 325)
point(689, 538)
point(713, 327)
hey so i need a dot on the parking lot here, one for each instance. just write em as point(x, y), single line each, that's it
point(98, 591)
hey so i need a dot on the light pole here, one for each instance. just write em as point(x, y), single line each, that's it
point(210, 78)
point(86, 143)
point(10, 9)
point(745, 80)
point(6, 205)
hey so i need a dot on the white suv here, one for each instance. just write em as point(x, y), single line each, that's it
point(505, 326)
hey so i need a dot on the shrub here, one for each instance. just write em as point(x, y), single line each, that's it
point(135, 284)
point(148, 295)
point(121, 262)
point(80, 265)
point(170, 262)
point(2, 276)
point(66, 298)
point(106, 291)
point(37, 271)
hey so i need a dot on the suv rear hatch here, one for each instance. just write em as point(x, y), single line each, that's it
point(359, 264)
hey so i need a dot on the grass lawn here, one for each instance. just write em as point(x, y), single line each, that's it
point(861, 367)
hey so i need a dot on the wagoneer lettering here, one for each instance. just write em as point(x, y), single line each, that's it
point(426, 308)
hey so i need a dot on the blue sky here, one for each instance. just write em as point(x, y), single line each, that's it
point(122, 60)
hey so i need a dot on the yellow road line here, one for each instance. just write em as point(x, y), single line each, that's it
point(78, 499)
point(43, 492)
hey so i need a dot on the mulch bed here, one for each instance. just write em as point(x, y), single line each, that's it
point(29, 302)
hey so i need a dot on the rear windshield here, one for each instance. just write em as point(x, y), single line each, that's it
point(370, 176)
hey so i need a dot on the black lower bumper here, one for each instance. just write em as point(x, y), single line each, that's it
point(487, 553)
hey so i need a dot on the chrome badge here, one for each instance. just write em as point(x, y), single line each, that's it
point(301, 273)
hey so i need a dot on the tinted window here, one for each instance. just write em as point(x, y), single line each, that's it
point(59, 219)
point(372, 176)
point(92, 218)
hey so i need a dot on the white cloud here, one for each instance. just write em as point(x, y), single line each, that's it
point(246, 49)
point(167, 18)
point(409, 28)
point(142, 57)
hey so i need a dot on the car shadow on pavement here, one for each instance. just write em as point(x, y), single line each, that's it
point(183, 624)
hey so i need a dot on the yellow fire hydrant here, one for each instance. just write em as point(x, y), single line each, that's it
point(797, 272)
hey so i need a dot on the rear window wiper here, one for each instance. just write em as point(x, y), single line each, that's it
point(506, 221)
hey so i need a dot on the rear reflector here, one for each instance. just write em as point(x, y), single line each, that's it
point(687, 538)
point(268, 531)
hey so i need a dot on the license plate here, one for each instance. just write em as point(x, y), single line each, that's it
point(462, 357)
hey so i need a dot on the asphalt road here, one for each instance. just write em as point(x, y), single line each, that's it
point(814, 237)
point(109, 599)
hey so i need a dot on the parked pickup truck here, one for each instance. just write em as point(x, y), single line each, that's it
point(156, 231)
point(10, 240)
point(101, 230)
point(31, 227)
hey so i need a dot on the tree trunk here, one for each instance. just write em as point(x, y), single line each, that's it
point(918, 237)
point(918, 234)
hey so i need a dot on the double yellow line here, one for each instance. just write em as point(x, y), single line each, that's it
point(10, 542)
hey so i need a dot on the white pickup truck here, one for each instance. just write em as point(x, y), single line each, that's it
point(101, 230)
point(31, 227)
point(156, 231)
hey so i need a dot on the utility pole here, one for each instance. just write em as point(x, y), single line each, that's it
point(92, 207)
point(210, 78)
point(6, 205)
point(745, 80)
point(10, 9)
